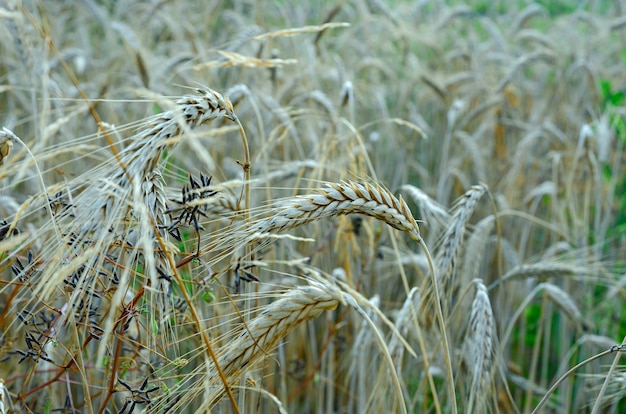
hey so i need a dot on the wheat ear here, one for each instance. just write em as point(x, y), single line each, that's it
point(6, 404)
point(446, 258)
point(481, 343)
point(346, 197)
point(542, 270)
point(445, 267)
point(251, 345)
point(432, 212)
point(141, 158)
point(476, 246)
point(465, 207)
point(565, 302)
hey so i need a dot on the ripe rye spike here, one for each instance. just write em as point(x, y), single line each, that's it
point(346, 197)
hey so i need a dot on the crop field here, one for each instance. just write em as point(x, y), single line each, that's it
point(326, 206)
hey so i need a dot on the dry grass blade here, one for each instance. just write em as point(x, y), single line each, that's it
point(300, 30)
point(235, 59)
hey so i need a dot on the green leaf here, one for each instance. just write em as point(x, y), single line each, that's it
point(154, 326)
point(208, 296)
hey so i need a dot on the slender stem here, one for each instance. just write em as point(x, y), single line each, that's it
point(127, 310)
point(113, 375)
point(422, 344)
point(596, 405)
point(425, 361)
point(245, 193)
point(534, 359)
point(442, 324)
point(246, 170)
point(546, 397)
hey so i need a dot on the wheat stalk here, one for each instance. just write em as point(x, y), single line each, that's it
point(360, 361)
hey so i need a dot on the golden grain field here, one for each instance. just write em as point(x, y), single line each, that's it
point(329, 206)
